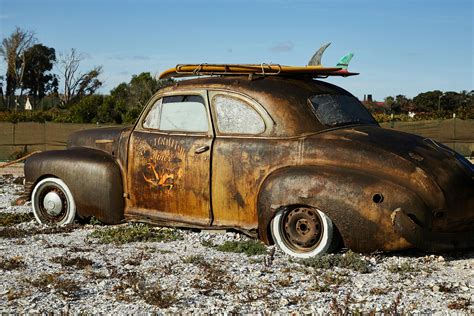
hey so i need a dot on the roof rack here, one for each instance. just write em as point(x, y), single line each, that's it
point(263, 69)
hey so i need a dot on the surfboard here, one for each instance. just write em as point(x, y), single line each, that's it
point(191, 70)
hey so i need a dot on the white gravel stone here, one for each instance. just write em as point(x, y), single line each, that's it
point(231, 283)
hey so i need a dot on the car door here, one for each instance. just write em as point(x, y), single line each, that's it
point(243, 155)
point(169, 160)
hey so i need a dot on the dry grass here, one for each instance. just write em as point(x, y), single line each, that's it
point(132, 286)
point(13, 232)
point(460, 303)
point(380, 290)
point(10, 219)
point(64, 287)
point(13, 263)
point(78, 262)
point(137, 259)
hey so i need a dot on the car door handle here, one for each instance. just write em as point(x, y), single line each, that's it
point(202, 149)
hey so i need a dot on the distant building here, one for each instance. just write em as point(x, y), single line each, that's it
point(374, 106)
point(28, 106)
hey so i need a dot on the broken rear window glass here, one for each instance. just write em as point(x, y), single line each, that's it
point(337, 110)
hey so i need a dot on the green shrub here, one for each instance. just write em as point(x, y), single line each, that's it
point(349, 260)
point(135, 233)
point(249, 247)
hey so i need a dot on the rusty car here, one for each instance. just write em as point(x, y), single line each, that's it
point(273, 152)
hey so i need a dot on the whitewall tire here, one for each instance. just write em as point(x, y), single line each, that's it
point(302, 232)
point(53, 203)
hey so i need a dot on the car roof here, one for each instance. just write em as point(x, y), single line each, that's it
point(285, 99)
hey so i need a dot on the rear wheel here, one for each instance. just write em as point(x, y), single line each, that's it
point(303, 232)
point(53, 203)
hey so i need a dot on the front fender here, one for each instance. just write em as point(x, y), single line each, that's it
point(93, 177)
point(348, 197)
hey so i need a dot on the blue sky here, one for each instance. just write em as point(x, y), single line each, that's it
point(401, 47)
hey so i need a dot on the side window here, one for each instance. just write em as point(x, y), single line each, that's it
point(185, 113)
point(235, 116)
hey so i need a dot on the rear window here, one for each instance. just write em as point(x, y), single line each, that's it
point(337, 110)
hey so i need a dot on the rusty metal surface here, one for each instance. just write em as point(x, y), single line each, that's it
point(357, 175)
point(92, 176)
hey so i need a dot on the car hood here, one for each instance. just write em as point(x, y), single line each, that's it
point(104, 139)
point(439, 176)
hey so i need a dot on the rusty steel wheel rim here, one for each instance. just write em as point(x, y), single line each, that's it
point(55, 195)
point(302, 229)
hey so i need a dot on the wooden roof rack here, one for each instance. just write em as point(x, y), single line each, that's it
point(192, 70)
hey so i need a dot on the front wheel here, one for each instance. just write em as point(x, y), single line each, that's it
point(53, 203)
point(303, 232)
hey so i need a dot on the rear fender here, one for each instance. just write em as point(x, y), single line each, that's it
point(359, 204)
point(93, 177)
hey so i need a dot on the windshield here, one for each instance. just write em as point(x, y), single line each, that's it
point(336, 110)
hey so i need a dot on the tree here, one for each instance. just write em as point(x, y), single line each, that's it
point(402, 103)
point(389, 103)
point(129, 99)
point(13, 51)
point(77, 84)
point(428, 101)
point(39, 61)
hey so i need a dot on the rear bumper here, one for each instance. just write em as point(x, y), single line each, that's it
point(429, 241)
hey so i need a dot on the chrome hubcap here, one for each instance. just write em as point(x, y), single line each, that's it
point(52, 203)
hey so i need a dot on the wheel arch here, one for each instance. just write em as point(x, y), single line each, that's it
point(93, 177)
point(346, 197)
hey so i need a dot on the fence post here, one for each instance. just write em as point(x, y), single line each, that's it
point(454, 131)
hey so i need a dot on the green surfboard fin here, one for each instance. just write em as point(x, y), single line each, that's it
point(344, 61)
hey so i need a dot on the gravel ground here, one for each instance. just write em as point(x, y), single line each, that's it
point(72, 272)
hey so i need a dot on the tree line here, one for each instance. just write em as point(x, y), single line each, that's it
point(60, 91)
point(426, 105)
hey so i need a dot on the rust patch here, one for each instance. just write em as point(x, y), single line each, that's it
point(155, 153)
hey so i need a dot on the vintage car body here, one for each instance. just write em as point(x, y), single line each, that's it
point(296, 181)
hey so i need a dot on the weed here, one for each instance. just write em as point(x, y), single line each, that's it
point(12, 263)
point(164, 251)
point(460, 303)
point(394, 307)
point(402, 268)
point(446, 288)
point(12, 232)
point(167, 269)
point(285, 282)
point(208, 243)
point(249, 247)
point(9, 219)
point(195, 259)
point(256, 260)
point(78, 262)
point(260, 293)
point(133, 285)
point(14, 294)
point(65, 287)
point(137, 259)
point(213, 278)
point(343, 308)
point(327, 281)
point(95, 221)
point(349, 260)
point(95, 275)
point(79, 249)
point(379, 290)
point(135, 233)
